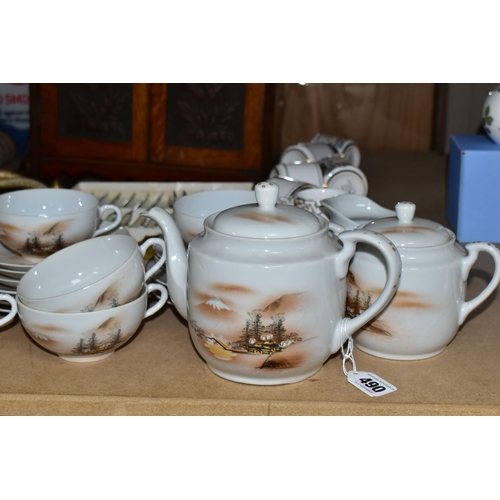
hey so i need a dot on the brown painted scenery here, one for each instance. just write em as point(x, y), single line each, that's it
point(359, 299)
point(263, 336)
point(41, 243)
point(104, 338)
point(265, 217)
point(110, 298)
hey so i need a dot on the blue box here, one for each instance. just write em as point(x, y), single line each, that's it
point(473, 194)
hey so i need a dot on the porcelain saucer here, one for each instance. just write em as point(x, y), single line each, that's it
point(9, 282)
point(8, 289)
point(11, 273)
point(12, 261)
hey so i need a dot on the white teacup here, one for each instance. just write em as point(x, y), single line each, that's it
point(346, 178)
point(309, 173)
point(90, 336)
point(320, 147)
point(93, 275)
point(36, 223)
point(288, 188)
point(306, 152)
point(5, 297)
point(191, 210)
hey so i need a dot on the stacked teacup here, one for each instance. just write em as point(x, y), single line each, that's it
point(87, 300)
point(324, 163)
point(35, 223)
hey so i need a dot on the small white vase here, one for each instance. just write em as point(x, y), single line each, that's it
point(491, 115)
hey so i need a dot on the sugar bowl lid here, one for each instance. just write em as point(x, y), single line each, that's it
point(266, 219)
point(406, 231)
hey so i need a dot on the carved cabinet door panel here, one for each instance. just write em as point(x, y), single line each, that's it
point(210, 125)
point(94, 120)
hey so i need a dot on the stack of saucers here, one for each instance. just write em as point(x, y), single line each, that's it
point(12, 268)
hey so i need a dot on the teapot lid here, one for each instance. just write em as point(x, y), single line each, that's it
point(266, 219)
point(406, 231)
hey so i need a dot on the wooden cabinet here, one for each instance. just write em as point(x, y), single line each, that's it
point(215, 132)
point(151, 132)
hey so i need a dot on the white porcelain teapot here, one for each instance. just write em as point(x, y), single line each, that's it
point(424, 315)
point(263, 288)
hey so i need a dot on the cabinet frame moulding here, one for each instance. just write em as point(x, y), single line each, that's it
point(250, 157)
point(51, 144)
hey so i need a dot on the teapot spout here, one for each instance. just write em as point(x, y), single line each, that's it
point(176, 263)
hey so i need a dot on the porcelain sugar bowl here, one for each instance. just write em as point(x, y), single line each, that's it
point(263, 288)
point(429, 306)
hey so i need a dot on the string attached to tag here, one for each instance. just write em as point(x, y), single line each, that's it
point(367, 382)
point(347, 353)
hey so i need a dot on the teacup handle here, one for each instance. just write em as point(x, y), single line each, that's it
point(112, 225)
point(161, 301)
point(143, 249)
point(346, 327)
point(467, 262)
point(13, 311)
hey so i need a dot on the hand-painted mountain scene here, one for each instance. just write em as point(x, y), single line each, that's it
point(104, 338)
point(40, 243)
point(271, 335)
point(360, 297)
point(108, 299)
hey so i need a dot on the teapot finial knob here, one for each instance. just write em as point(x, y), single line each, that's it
point(405, 211)
point(266, 194)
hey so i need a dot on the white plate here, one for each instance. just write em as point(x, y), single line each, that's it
point(10, 282)
point(11, 273)
point(8, 289)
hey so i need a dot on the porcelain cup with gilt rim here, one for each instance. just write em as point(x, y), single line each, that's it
point(309, 173)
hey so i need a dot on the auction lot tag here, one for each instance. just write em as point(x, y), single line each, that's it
point(370, 383)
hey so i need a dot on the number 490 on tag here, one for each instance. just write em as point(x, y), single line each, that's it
point(370, 383)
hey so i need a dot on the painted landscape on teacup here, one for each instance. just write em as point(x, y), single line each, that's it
point(44, 241)
point(108, 299)
point(261, 333)
point(104, 338)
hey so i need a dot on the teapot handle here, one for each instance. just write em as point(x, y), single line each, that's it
point(467, 262)
point(346, 327)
